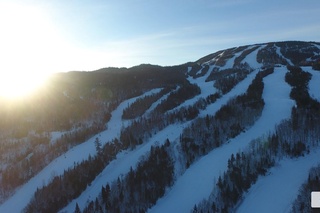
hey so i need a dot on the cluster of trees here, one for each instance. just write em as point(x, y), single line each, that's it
point(230, 78)
point(130, 137)
point(143, 128)
point(297, 51)
point(239, 113)
point(316, 65)
point(74, 100)
point(292, 138)
point(198, 71)
point(302, 204)
point(243, 170)
point(268, 56)
point(140, 188)
point(299, 80)
point(244, 54)
point(185, 92)
point(137, 108)
point(40, 152)
point(23, 164)
point(228, 54)
point(62, 189)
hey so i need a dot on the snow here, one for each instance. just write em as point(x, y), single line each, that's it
point(277, 191)
point(197, 182)
point(206, 88)
point(280, 54)
point(76, 154)
point(316, 45)
point(121, 165)
point(252, 58)
point(314, 83)
point(125, 160)
point(155, 104)
point(214, 59)
point(229, 64)
point(239, 89)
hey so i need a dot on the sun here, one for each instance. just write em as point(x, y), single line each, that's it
point(30, 48)
point(18, 85)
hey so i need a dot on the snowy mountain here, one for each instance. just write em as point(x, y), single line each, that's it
point(235, 131)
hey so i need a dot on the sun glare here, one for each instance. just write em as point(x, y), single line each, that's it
point(30, 49)
point(17, 85)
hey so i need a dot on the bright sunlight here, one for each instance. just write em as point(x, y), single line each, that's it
point(29, 44)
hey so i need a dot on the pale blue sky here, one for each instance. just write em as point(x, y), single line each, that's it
point(63, 35)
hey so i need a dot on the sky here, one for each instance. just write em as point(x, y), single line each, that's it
point(64, 35)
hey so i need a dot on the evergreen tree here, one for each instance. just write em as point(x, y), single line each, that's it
point(77, 209)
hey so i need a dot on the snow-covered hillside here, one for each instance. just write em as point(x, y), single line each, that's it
point(217, 79)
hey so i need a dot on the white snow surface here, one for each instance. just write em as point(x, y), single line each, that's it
point(280, 54)
point(121, 165)
point(125, 160)
point(206, 88)
point(128, 159)
point(22, 196)
point(239, 89)
point(197, 182)
point(251, 59)
point(155, 104)
point(230, 62)
point(314, 83)
point(277, 191)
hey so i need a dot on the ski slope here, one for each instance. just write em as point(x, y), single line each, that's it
point(239, 89)
point(22, 196)
point(314, 88)
point(121, 165)
point(129, 159)
point(198, 181)
point(123, 162)
point(277, 191)
point(252, 58)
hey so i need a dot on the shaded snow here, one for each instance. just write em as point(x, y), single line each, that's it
point(280, 54)
point(251, 59)
point(197, 182)
point(277, 191)
point(314, 83)
point(230, 62)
